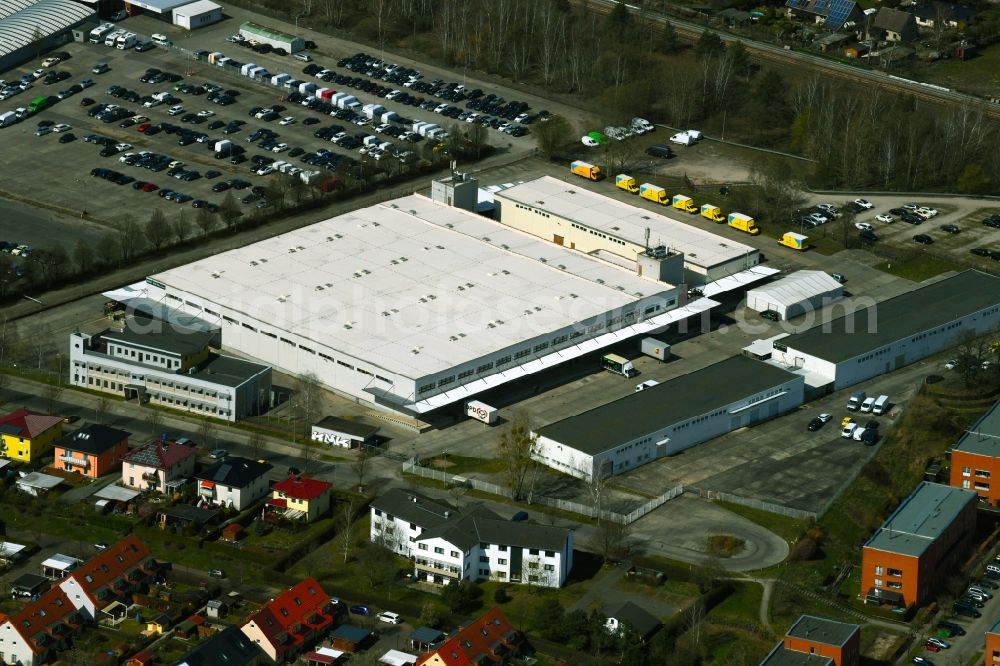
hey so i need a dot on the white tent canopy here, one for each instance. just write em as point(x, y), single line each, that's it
point(796, 294)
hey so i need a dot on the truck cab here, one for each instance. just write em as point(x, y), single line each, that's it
point(856, 400)
point(627, 183)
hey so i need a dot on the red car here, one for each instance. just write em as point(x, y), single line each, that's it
point(143, 127)
point(933, 648)
point(150, 187)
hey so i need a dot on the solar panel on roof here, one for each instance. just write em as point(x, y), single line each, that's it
point(839, 12)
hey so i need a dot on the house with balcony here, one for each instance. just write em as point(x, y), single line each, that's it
point(925, 539)
point(447, 544)
point(113, 575)
point(300, 498)
point(293, 622)
point(489, 640)
point(26, 435)
point(172, 367)
point(41, 629)
point(93, 450)
point(234, 482)
point(162, 465)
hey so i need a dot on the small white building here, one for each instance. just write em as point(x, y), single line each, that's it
point(448, 544)
point(37, 484)
point(667, 418)
point(197, 14)
point(796, 294)
point(341, 432)
point(876, 339)
point(234, 482)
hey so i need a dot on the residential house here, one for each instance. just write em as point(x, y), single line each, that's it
point(894, 25)
point(816, 641)
point(114, 574)
point(945, 14)
point(293, 622)
point(40, 629)
point(448, 544)
point(924, 539)
point(975, 458)
point(631, 617)
point(234, 482)
point(93, 450)
point(300, 498)
point(26, 436)
point(992, 657)
point(229, 646)
point(489, 640)
point(161, 465)
point(141, 658)
point(831, 14)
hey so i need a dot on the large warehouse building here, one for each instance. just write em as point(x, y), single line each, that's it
point(665, 419)
point(894, 333)
point(796, 294)
point(413, 305)
point(276, 38)
point(569, 215)
point(29, 28)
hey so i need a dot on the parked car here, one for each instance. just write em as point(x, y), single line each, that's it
point(389, 617)
point(949, 228)
point(923, 239)
point(216, 573)
point(218, 453)
point(864, 204)
point(885, 218)
point(359, 610)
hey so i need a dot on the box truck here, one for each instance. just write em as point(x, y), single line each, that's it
point(619, 365)
point(743, 223)
point(654, 193)
point(710, 212)
point(881, 405)
point(856, 400)
point(655, 348)
point(681, 202)
point(627, 183)
point(794, 241)
point(586, 170)
point(642, 386)
point(98, 34)
point(7, 118)
point(223, 148)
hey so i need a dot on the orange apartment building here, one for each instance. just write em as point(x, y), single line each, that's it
point(992, 657)
point(93, 450)
point(928, 533)
point(976, 458)
point(816, 641)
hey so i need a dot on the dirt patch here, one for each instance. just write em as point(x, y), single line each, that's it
point(724, 545)
point(441, 463)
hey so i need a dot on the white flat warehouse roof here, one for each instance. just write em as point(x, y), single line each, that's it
point(572, 202)
point(196, 8)
point(411, 285)
point(159, 6)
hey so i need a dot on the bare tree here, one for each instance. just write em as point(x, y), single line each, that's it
point(52, 393)
point(309, 404)
point(256, 444)
point(206, 431)
point(128, 238)
point(157, 231)
point(102, 409)
point(515, 448)
point(83, 257)
point(181, 225)
point(360, 466)
point(206, 220)
point(346, 528)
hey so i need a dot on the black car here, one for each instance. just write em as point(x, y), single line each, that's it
point(952, 628)
point(911, 218)
point(923, 239)
point(992, 221)
point(898, 212)
point(216, 124)
point(949, 228)
point(995, 255)
point(968, 611)
point(771, 315)
point(67, 137)
point(814, 425)
point(871, 425)
point(221, 186)
point(868, 235)
point(987, 584)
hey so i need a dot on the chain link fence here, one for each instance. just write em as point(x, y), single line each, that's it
point(563, 505)
point(799, 514)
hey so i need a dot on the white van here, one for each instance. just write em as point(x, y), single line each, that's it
point(390, 617)
point(160, 40)
point(304, 57)
point(866, 406)
point(881, 405)
point(113, 37)
point(642, 386)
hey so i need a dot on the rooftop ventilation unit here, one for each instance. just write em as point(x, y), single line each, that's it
point(600, 280)
point(505, 246)
point(253, 263)
point(319, 287)
point(487, 239)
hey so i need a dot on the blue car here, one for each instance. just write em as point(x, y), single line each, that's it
point(359, 610)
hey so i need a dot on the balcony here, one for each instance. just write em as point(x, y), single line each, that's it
point(73, 460)
point(435, 567)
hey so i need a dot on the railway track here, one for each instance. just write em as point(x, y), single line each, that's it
point(761, 51)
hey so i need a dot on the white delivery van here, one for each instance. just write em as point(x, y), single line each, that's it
point(881, 405)
point(160, 40)
point(642, 386)
point(866, 406)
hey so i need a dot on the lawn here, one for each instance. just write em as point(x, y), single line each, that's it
point(788, 529)
point(918, 267)
point(980, 74)
point(454, 464)
point(742, 606)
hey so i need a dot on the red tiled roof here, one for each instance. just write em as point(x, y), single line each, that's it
point(113, 563)
point(477, 638)
point(44, 614)
point(292, 608)
point(28, 424)
point(302, 488)
point(160, 454)
point(278, 502)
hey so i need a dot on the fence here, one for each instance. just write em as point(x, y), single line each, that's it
point(564, 505)
point(800, 514)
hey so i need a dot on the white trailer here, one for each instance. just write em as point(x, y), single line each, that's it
point(7, 118)
point(390, 117)
point(346, 101)
point(279, 79)
point(655, 348)
point(307, 87)
point(480, 411)
point(373, 110)
point(245, 69)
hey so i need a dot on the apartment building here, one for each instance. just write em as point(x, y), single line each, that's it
point(975, 458)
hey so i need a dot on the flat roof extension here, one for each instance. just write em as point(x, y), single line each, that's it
point(899, 317)
point(615, 423)
point(984, 437)
point(571, 201)
point(822, 630)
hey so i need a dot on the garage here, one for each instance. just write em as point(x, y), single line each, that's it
point(274, 38)
point(796, 294)
point(197, 14)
